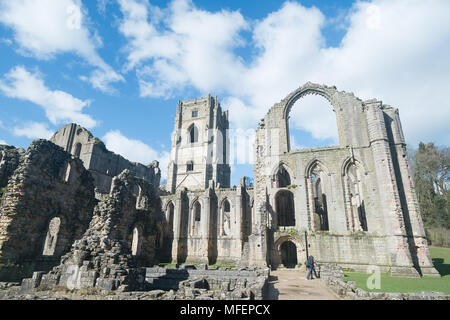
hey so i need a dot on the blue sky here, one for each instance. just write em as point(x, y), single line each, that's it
point(119, 67)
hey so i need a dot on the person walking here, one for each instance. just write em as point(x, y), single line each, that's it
point(310, 265)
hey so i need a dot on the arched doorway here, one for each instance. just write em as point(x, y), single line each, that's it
point(289, 254)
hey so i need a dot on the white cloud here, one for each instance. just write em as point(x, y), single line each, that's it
point(183, 53)
point(396, 51)
point(59, 106)
point(46, 28)
point(136, 150)
point(33, 130)
point(3, 142)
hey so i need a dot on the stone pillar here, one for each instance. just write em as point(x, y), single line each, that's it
point(257, 241)
point(418, 231)
point(176, 227)
point(348, 205)
point(312, 208)
point(205, 227)
point(398, 250)
point(238, 223)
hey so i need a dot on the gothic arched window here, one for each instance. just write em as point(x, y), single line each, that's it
point(193, 134)
point(283, 178)
point(318, 198)
point(285, 209)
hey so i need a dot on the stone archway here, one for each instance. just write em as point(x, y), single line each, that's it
point(288, 252)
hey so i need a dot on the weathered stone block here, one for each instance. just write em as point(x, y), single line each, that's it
point(31, 283)
point(107, 284)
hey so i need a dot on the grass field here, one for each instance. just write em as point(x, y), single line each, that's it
point(441, 261)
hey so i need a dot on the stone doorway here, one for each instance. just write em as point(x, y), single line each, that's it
point(289, 254)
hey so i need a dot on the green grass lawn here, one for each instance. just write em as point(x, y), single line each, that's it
point(441, 261)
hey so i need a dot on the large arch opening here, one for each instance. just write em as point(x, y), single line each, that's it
point(285, 209)
point(289, 254)
point(311, 123)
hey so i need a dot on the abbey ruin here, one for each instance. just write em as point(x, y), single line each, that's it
point(74, 214)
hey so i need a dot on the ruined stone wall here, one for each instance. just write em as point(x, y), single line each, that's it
point(125, 233)
point(412, 219)
point(47, 204)
point(9, 161)
point(227, 282)
point(102, 163)
point(365, 185)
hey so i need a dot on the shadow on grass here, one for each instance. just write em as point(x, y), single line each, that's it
point(443, 269)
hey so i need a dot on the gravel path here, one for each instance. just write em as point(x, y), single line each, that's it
point(290, 284)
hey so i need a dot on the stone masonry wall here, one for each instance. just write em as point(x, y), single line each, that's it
point(48, 185)
point(370, 214)
point(124, 234)
point(102, 163)
point(9, 161)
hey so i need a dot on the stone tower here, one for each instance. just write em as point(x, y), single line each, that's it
point(199, 146)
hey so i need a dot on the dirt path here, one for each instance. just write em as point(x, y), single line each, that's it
point(290, 284)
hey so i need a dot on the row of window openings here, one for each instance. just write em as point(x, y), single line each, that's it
point(197, 209)
point(285, 202)
point(193, 136)
point(53, 231)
